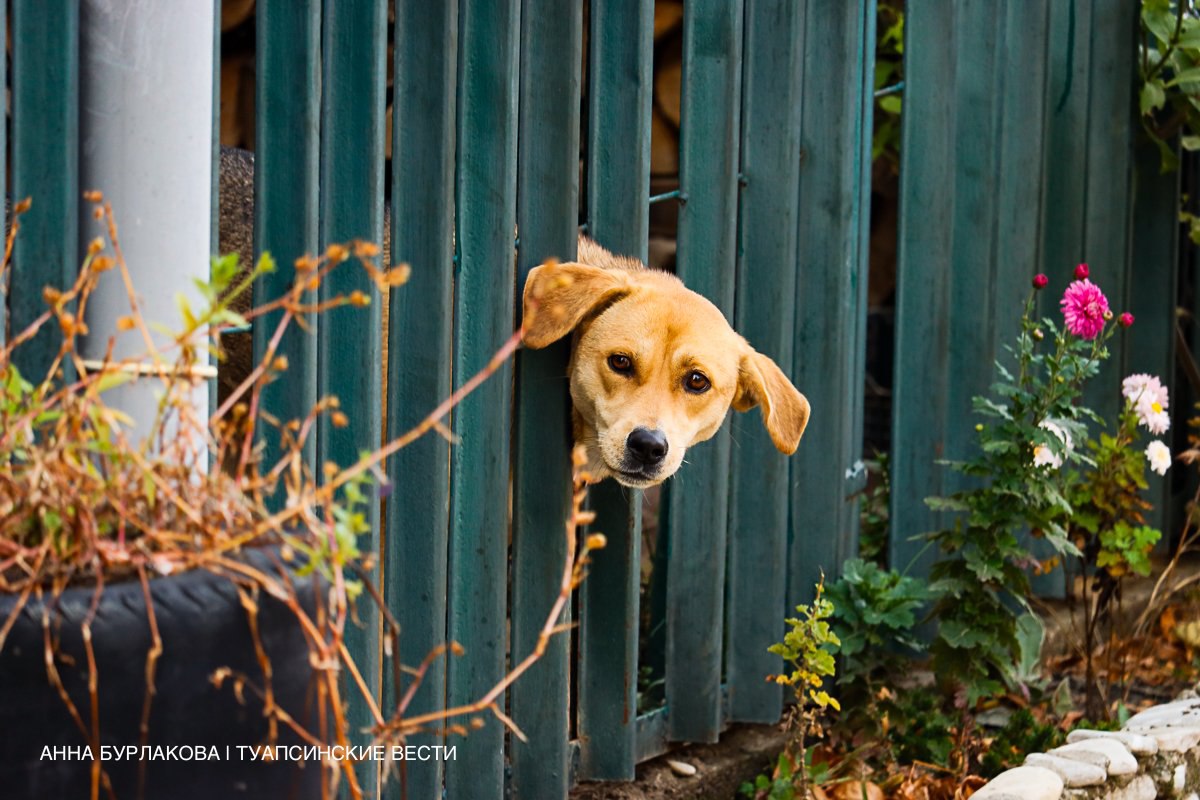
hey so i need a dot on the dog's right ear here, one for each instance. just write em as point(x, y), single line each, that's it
point(557, 296)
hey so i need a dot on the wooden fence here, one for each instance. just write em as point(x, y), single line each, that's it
point(1019, 157)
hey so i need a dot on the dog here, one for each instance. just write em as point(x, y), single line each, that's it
point(654, 367)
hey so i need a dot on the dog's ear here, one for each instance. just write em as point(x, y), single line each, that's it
point(785, 410)
point(557, 296)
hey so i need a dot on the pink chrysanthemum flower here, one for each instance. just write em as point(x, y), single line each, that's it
point(1084, 307)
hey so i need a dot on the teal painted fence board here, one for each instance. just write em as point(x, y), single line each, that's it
point(486, 217)
point(548, 220)
point(831, 269)
point(45, 135)
point(962, 285)
point(1154, 272)
point(766, 275)
point(420, 367)
point(699, 496)
point(1109, 142)
point(618, 183)
point(286, 184)
point(349, 356)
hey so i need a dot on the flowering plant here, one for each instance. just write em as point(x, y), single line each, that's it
point(1033, 420)
point(1107, 524)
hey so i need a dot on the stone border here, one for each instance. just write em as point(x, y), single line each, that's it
point(1156, 754)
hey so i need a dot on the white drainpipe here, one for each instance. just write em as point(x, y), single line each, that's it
point(145, 128)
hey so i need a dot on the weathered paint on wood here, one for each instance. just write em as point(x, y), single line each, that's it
point(286, 198)
point(962, 285)
point(699, 497)
point(420, 368)
point(486, 216)
point(349, 363)
point(760, 490)
point(45, 135)
point(1109, 200)
point(548, 219)
point(831, 269)
point(618, 171)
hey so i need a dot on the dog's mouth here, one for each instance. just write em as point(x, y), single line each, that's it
point(638, 478)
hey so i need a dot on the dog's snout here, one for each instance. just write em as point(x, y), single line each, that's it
point(647, 447)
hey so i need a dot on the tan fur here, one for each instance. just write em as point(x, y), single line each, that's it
point(614, 305)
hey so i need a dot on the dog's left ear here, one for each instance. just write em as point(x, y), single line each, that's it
point(785, 410)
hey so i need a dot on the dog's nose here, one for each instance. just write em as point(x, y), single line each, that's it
point(646, 446)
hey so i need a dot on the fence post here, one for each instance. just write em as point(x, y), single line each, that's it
point(142, 129)
point(966, 256)
point(286, 188)
point(766, 293)
point(349, 359)
point(487, 125)
point(620, 74)
point(699, 496)
point(548, 220)
point(45, 98)
point(418, 510)
point(830, 288)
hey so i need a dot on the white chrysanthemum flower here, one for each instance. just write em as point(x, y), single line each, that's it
point(1142, 385)
point(1150, 400)
point(1159, 457)
point(1045, 456)
point(1152, 416)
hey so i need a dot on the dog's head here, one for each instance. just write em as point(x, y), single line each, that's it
point(655, 366)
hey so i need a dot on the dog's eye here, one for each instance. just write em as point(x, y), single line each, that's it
point(620, 363)
point(696, 382)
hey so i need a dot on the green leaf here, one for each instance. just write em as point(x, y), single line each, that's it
point(1186, 76)
point(1153, 97)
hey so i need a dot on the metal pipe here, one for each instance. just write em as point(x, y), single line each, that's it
point(145, 128)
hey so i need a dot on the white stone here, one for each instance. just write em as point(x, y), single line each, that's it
point(1180, 712)
point(1173, 739)
point(1180, 778)
point(1073, 773)
point(1140, 788)
point(1108, 753)
point(1138, 744)
point(1023, 783)
point(681, 768)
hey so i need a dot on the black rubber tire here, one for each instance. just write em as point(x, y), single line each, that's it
point(203, 627)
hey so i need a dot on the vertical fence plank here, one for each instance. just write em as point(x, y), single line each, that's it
point(1020, 208)
point(45, 131)
point(1109, 179)
point(1150, 343)
point(699, 497)
point(548, 219)
point(758, 518)
point(985, 102)
point(922, 331)
point(832, 268)
point(419, 377)
point(486, 217)
point(349, 357)
point(618, 183)
point(1068, 82)
point(288, 54)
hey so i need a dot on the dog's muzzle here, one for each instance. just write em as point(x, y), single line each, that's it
point(645, 451)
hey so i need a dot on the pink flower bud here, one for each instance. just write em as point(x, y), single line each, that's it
point(1081, 272)
point(1125, 320)
point(1040, 281)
